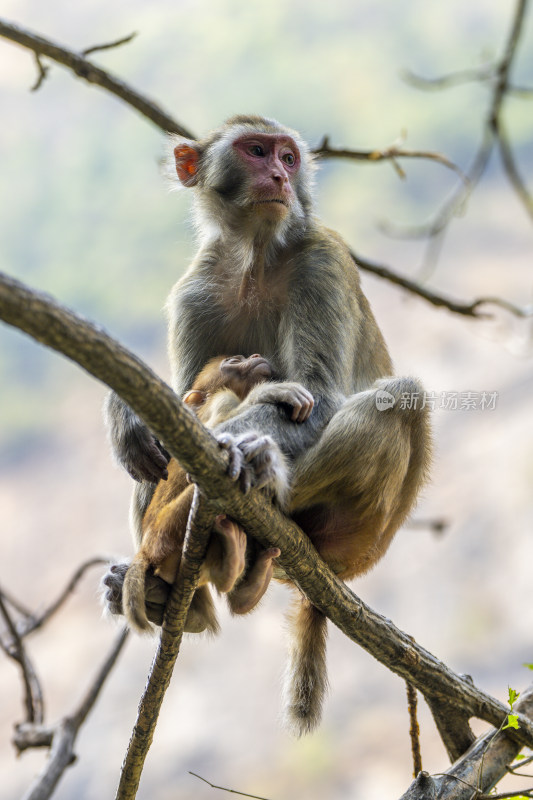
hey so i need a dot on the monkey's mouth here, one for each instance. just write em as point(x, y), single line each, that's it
point(273, 200)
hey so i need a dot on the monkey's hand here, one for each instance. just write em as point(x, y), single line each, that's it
point(134, 446)
point(256, 462)
point(144, 457)
point(292, 394)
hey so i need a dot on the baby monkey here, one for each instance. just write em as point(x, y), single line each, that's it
point(234, 564)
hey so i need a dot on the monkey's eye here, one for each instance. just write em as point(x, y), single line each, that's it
point(256, 150)
point(289, 159)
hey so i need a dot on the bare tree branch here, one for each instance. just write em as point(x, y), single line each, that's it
point(511, 168)
point(485, 73)
point(439, 300)
point(223, 788)
point(391, 153)
point(493, 135)
point(92, 74)
point(199, 454)
point(33, 695)
point(42, 73)
point(87, 703)
point(199, 527)
point(459, 77)
point(478, 770)
point(31, 621)
point(61, 737)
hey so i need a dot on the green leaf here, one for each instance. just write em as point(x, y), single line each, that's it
point(529, 666)
point(512, 722)
point(513, 696)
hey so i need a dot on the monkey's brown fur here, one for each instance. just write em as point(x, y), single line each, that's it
point(217, 392)
point(270, 278)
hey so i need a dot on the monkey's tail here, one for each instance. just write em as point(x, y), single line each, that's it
point(133, 595)
point(306, 680)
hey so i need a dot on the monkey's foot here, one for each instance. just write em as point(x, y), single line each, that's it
point(156, 592)
point(201, 615)
point(226, 557)
point(249, 592)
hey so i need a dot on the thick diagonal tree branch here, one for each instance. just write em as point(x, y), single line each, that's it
point(199, 454)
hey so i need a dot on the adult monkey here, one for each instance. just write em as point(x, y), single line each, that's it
point(269, 278)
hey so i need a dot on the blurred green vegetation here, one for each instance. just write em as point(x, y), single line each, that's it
point(85, 213)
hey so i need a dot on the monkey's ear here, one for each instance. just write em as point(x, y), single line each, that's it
point(187, 158)
point(195, 397)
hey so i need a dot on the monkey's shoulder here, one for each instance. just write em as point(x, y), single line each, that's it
point(324, 249)
point(192, 291)
point(324, 244)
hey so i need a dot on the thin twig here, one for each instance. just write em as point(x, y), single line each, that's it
point(522, 763)
point(504, 795)
point(486, 73)
point(15, 603)
point(87, 703)
point(33, 695)
point(110, 45)
point(42, 73)
point(32, 622)
point(459, 77)
point(414, 729)
point(511, 168)
point(223, 788)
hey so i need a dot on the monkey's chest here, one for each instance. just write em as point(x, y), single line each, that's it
point(240, 332)
point(244, 325)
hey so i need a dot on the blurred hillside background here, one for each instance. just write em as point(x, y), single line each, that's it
point(86, 216)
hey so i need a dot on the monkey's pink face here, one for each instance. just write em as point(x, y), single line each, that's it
point(272, 162)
